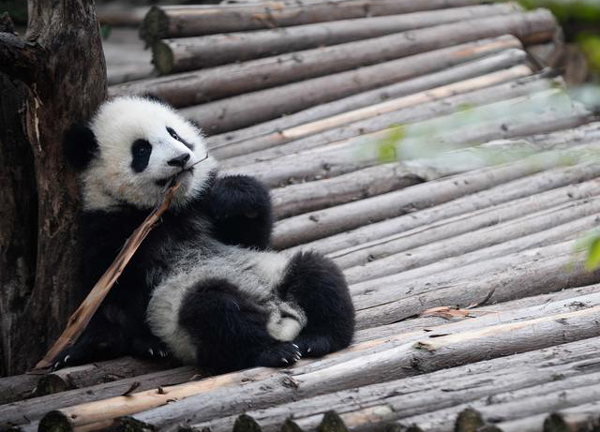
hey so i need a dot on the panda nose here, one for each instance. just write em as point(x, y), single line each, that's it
point(180, 160)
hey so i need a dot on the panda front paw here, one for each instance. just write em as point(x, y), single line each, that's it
point(280, 354)
point(150, 347)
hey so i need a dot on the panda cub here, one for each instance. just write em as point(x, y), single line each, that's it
point(203, 285)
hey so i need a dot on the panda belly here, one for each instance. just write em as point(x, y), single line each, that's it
point(256, 274)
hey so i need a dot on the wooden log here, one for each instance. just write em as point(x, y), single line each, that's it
point(392, 105)
point(389, 290)
point(79, 377)
point(455, 226)
point(262, 105)
point(323, 223)
point(25, 386)
point(401, 361)
point(477, 239)
point(187, 89)
point(500, 52)
point(497, 192)
point(184, 54)
point(446, 267)
point(421, 120)
point(577, 419)
point(503, 285)
point(522, 403)
point(414, 394)
point(120, 16)
point(303, 197)
point(182, 21)
point(28, 412)
point(430, 322)
point(352, 153)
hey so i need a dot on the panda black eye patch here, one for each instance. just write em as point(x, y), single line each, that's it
point(140, 152)
point(178, 138)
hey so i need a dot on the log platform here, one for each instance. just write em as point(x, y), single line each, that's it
point(425, 147)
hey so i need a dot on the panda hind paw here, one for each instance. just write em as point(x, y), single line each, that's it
point(280, 354)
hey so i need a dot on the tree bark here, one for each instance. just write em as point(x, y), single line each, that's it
point(61, 62)
point(505, 47)
point(181, 21)
point(184, 54)
point(191, 88)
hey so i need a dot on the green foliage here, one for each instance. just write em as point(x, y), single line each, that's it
point(590, 245)
point(388, 147)
point(568, 10)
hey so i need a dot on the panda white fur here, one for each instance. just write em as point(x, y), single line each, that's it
point(203, 285)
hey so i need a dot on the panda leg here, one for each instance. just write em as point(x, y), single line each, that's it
point(230, 331)
point(101, 340)
point(318, 286)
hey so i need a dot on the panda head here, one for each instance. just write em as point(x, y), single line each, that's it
point(130, 150)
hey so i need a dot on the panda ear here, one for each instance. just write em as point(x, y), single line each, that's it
point(79, 146)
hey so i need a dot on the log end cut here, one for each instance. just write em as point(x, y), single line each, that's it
point(55, 421)
point(155, 26)
point(130, 424)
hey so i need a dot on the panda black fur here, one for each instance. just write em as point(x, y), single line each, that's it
point(203, 284)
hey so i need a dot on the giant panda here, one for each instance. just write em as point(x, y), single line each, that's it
point(203, 286)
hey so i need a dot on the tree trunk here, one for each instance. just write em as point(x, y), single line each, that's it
point(53, 81)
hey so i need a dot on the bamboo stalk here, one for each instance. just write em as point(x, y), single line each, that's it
point(504, 184)
point(187, 89)
point(474, 239)
point(262, 105)
point(429, 96)
point(81, 317)
point(184, 54)
point(340, 157)
point(484, 56)
point(181, 21)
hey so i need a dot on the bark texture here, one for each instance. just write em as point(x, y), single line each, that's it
point(54, 76)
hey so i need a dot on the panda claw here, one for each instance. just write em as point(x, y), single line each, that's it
point(151, 351)
point(66, 359)
point(309, 349)
point(283, 359)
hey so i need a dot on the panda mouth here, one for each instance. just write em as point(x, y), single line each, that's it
point(179, 175)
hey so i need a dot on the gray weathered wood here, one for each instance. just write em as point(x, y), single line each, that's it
point(183, 54)
point(431, 69)
point(181, 21)
point(505, 283)
point(502, 187)
point(404, 360)
point(397, 108)
point(323, 223)
point(352, 153)
point(465, 223)
point(262, 105)
point(196, 87)
point(474, 239)
point(31, 410)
